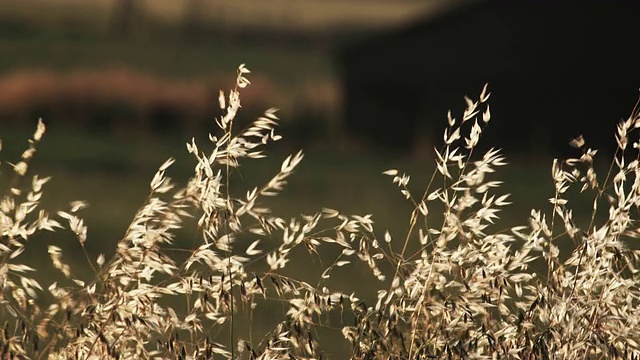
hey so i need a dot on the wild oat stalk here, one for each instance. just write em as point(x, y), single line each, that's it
point(469, 293)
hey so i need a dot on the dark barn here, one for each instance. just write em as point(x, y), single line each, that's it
point(556, 69)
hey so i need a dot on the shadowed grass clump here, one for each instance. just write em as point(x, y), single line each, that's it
point(451, 287)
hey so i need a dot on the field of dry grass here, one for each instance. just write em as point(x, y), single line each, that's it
point(248, 281)
point(200, 257)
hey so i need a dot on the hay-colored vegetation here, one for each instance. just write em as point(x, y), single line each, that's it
point(449, 287)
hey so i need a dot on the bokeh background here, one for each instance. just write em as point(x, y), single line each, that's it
point(362, 86)
point(124, 84)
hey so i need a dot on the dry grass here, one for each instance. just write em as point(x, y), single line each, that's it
point(467, 292)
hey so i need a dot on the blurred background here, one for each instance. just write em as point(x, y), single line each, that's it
point(123, 84)
point(362, 86)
